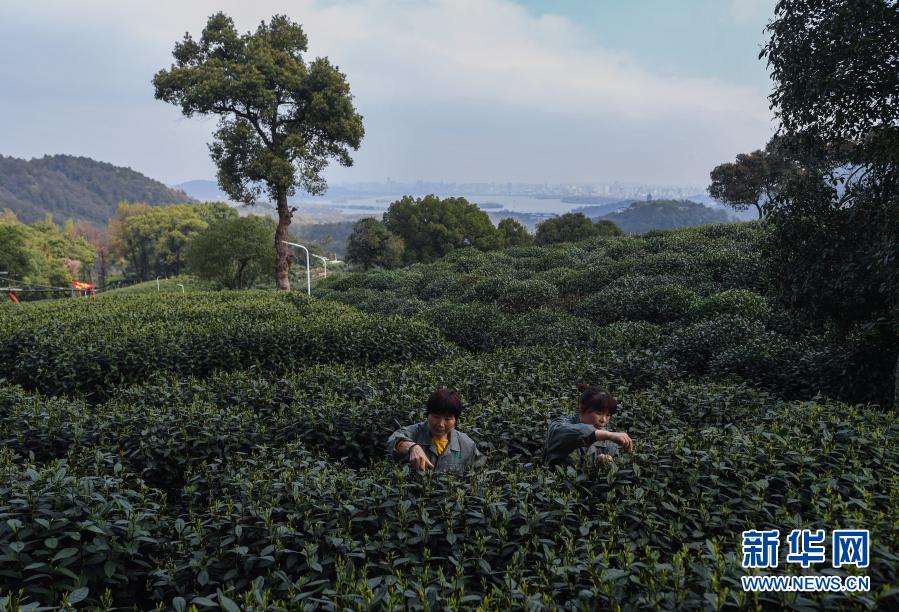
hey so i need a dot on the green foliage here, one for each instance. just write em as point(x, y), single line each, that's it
point(513, 233)
point(569, 227)
point(431, 227)
point(524, 295)
point(835, 239)
point(734, 302)
point(152, 241)
point(281, 118)
point(233, 252)
point(642, 217)
point(66, 347)
point(755, 179)
point(15, 257)
point(274, 503)
point(76, 188)
point(372, 244)
point(69, 528)
point(222, 476)
point(268, 98)
point(331, 237)
point(42, 252)
point(605, 227)
point(657, 303)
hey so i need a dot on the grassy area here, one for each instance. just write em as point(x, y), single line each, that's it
point(165, 285)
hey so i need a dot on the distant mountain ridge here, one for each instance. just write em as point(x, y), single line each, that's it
point(78, 188)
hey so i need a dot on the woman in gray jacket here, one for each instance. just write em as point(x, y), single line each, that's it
point(584, 434)
point(436, 444)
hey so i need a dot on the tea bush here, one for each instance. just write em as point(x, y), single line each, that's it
point(78, 531)
point(740, 302)
point(227, 450)
point(278, 522)
point(519, 296)
point(84, 346)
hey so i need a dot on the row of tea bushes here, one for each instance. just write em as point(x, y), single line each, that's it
point(276, 521)
point(84, 346)
point(704, 260)
point(161, 429)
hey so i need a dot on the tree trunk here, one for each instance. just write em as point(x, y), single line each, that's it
point(282, 267)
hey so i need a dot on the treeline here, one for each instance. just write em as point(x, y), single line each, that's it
point(651, 215)
point(140, 243)
point(43, 253)
point(76, 188)
point(425, 229)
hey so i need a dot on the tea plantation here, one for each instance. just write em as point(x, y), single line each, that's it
point(226, 450)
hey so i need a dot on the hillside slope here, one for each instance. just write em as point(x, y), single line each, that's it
point(642, 217)
point(76, 188)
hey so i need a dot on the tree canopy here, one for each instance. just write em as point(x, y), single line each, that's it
point(431, 227)
point(572, 227)
point(514, 233)
point(834, 242)
point(43, 253)
point(282, 119)
point(233, 251)
point(754, 180)
point(642, 217)
point(152, 239)
point(372, 244)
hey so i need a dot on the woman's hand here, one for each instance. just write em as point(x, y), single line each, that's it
point(419, 459)
point(604, 458)
point(618, 437)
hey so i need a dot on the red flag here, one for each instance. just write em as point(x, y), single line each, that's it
point(13, 297)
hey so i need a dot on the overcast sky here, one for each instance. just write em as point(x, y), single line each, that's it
point(557, 91)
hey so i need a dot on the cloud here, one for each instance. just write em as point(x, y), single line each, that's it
point(748, 11)
point(439, 76)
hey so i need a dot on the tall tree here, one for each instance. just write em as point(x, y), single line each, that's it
point(15, 258)
point(233, 251)
point(372, 244)
point(569, 227)
point(431, 227)
point(754, 180)
point(152, 239)
point(281, 119)
point(514, 233)
point(835, 246)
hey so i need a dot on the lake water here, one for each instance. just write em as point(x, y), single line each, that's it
point(376, 205)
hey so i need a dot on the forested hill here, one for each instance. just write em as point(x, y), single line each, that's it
point(75, 188)
point(642, 217)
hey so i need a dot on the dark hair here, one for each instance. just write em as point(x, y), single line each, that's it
point(596, 399)
point(445, 401)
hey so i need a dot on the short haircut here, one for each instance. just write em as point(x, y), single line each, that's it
point(445, 401)
point(596, 399)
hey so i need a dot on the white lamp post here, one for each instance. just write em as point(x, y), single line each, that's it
point(323, 260)
point(308, 274)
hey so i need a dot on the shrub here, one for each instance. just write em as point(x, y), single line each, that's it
point(85, 346)
point(740, 302)
point(65, 532)
point(518, 296)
